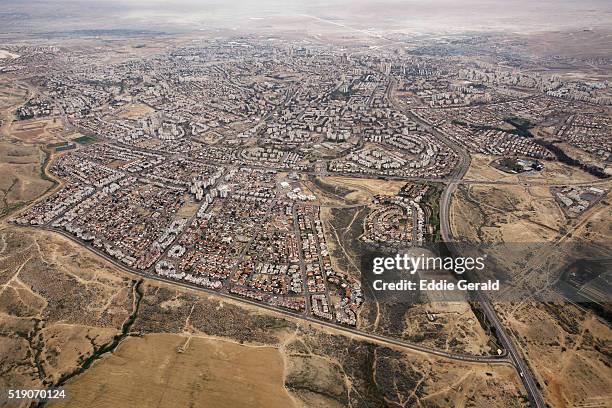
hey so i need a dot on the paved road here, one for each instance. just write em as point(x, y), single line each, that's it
point(451, 183)
point(446, 233)
point(489, 359)
point(532, 388)
point(526, 377)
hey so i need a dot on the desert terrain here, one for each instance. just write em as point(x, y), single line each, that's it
point(63, 331)
point(567, 345)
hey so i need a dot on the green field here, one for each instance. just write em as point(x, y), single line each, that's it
point(85, 140)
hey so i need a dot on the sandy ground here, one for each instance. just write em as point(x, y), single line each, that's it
point(176, 370)
point(566, 345)
point(360, 190)
point(506, 213)
point(133, 111)
point(38, 131)
point(21, 181)
point(553, 173)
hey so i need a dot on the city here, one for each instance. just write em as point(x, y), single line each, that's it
point(261, 170)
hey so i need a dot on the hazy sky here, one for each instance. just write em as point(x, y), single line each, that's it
point(392, 15)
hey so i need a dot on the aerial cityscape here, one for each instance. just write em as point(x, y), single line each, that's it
point(195, 199)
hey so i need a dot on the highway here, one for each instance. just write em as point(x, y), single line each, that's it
point(380, 339)
point(506, 342)
point(510, 355)
point(451, 184)
point(526, 376)
point(445, 230)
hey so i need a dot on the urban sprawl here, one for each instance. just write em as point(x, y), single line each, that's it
point(191, 164)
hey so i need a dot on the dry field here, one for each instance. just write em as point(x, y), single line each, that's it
point(366, 188)
point(134, 111)
point(338, 190)
point(568, 349)
point(21, 164)
point(11, 96)
point(553, 173)
point(505, 213)
point(32, 131)
point(38, 131)
point(455, 328)
point(182, 370)
point(21, 180)
point(524, 213)
point(55, 306)
point(595, 226)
